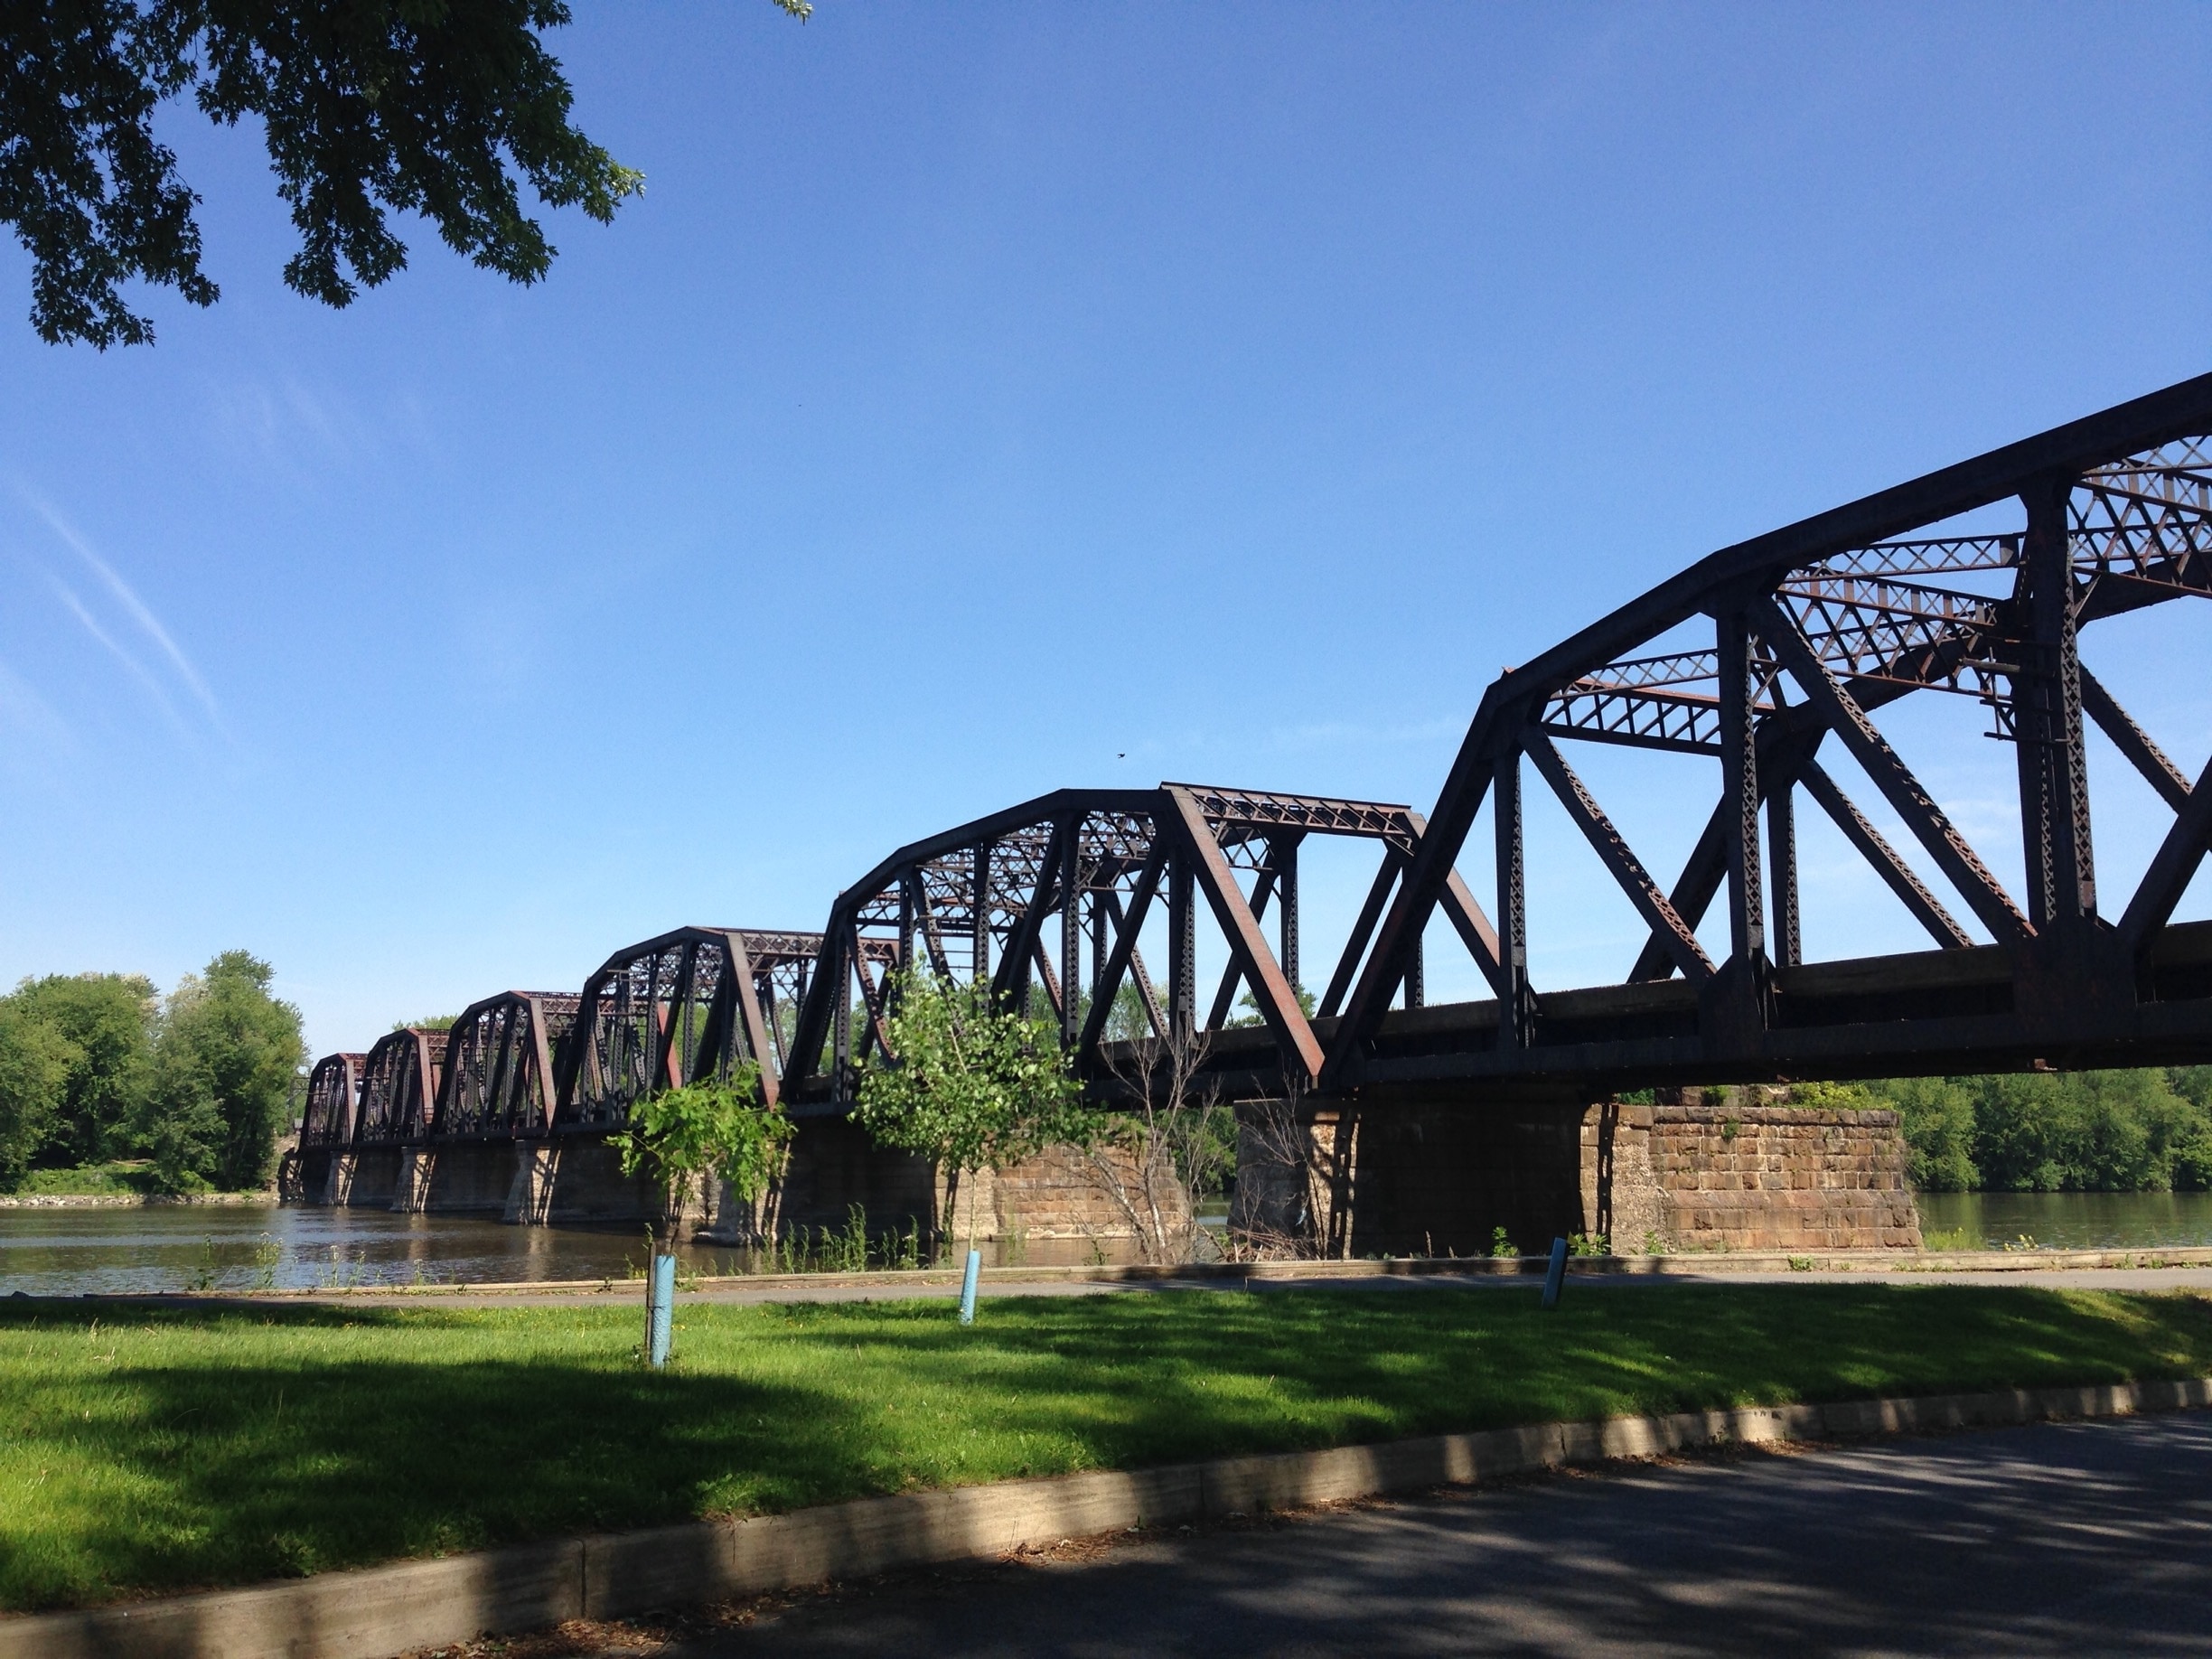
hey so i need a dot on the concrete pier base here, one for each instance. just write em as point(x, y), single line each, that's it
point(411, 1181)
point(374, 1178)
point(529, 1191)
point(1053, 1201)
point(1734, 1171)
point(580, 1178)
point(303, 1176)
point(469, 1177)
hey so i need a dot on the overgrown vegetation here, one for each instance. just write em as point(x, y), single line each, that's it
point(679, 1137)
point(192, 1088)
point(969, 1085)
point(2147, 1131)
point(1166, 1143)
point(158, 1448)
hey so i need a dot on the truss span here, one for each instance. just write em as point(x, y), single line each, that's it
point(1763, 662)
point(691, 1005)
point(497, 1081)
point(1814, 630)
point(333, 1094)
point(399, 1087)
point(1047, 902)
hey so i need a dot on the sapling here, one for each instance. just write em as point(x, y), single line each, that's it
point(678, 1137)
point(971, 1085)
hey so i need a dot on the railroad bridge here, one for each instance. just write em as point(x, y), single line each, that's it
point(1771, 658)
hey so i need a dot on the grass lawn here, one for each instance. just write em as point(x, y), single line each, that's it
point(167, 1447)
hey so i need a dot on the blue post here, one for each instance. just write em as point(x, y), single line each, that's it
point(660, 1309)
point(967, 1286)
point(1555, 1273)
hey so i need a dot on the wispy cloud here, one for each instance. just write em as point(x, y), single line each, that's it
point(138, 670)
point(132, 607)
point(26, 714)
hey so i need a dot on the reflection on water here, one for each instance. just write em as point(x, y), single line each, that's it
point(243, 1247)
point(2066, 1220)
point(70, 1252)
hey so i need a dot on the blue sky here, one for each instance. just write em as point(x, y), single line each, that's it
point(982, 395)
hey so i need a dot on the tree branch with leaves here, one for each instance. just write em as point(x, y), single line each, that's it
point(442, 108)
point(970, 1084)
point(702, 1130)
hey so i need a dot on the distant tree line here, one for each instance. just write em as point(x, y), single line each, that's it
point(2147, 1131)
point(97, 1067)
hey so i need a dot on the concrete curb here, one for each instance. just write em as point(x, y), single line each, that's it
point(384, 1610)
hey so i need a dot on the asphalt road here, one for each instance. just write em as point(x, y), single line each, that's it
point(2072, 1539)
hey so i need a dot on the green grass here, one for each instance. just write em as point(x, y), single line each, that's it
point(100, 1180)
point(166, 1447)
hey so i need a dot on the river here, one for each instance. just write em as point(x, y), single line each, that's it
point(69, 1251)
point(2065, 1220)
point(240, 1247)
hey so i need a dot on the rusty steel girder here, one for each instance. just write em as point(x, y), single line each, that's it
point(333, 1094)
point(399, 1087)
point(497, 1081)
point(686, 1006)
point(1050, 897)
point(1816, 628)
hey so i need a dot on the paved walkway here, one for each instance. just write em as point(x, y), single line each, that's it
point(737, 1292)
point(2064, 1539)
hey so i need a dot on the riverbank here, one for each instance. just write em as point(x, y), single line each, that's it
point(185, 1447)
point(234, 1243)
point(128, 1201)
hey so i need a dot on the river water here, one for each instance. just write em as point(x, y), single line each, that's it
point(70, 1252)
point(2065, 1220)
point(239, 1247)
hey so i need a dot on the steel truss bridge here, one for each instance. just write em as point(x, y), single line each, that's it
point(1763, 656)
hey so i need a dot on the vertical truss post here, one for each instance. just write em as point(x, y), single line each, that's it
point(1101, 940)
point(1071, 931)
point(910, 882)
point(1515, 1007)
point(979, 961)
point(1740, 789)
point(1182, 949)
point(841, 989)
point(2047, 720)
point(1416, 974)
point(1782, 853)
point(1283, 854)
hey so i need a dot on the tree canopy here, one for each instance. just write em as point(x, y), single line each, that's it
point(441, 107)
point(95, 1067)
point(2142, 1130)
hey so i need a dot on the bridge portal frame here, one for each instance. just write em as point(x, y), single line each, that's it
point(333, 1097)
point(497, 1080)
point(399, 1086)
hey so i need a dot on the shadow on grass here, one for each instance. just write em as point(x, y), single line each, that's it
point(1452, 1359)
point(160, 1447)
point(217, 1448)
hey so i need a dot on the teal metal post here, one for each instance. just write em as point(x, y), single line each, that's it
point(1556, 1273)
point(660, 1309)
point(967, 1286)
